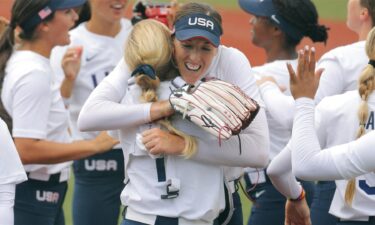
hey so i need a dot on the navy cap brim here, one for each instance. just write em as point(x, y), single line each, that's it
point(257, 7)
point(188, 34)
point(68, 4)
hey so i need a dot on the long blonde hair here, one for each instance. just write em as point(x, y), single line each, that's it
point(366, 87)
point(150, 43)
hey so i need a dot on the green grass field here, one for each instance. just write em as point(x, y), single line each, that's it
point(328, 9)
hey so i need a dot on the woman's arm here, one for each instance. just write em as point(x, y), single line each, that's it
point(279, 105)
point(7, 195)
point(36, 151)
point(31, 106)
point(250, 148)
point(339, 162)
point(281, 175)
point(103, 109)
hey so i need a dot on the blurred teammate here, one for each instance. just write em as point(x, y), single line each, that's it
point(278, 26)
point(11, 173)
point(96, 46)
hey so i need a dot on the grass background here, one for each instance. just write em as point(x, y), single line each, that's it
point(328, 9)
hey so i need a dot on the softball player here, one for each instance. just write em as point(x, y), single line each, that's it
point(39, 118)
point(342, 66)
point(278, 26)
point(195, 58)
point(11, 173)
point(351, 206)
point(92, 55)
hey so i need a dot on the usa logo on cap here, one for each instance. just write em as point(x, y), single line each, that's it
point(198, 25)
point(201, 22)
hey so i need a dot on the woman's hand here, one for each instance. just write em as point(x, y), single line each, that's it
point(161, 109)
point(103, 142)
point(158, 141)
point(71, 62)
point(297, 213)
point(305, 83)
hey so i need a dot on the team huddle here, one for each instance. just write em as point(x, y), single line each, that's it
point(161, 123)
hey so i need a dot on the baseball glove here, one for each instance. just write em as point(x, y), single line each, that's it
point(218, 107)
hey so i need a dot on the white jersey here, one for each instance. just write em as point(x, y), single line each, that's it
point(99, 57)
point(35, 104)
point(11, 169)
point(279, 133)
point(143, 191)
point(337, 123)
point(342, 67)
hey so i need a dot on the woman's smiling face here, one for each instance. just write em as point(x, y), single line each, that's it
point(193, 57)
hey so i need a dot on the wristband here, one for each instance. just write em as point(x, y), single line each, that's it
point(300, 197)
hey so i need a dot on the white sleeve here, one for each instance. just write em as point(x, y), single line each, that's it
point(31, 105)
point(355, 158)
point(281, 175)
point(7, 193)
point(251, 149)
point(331, 81)
point(11, 168)
point(103, 109)
point(239, 72)
point(279, 106)
point(309, 162)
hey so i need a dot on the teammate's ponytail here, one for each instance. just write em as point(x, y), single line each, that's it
point(300, 15)
point(150, 60)
point(366, 87)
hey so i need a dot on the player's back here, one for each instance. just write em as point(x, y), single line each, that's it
point(337, 123)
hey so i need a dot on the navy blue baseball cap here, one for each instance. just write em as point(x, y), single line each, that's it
point(48, 9)
point(266, 8)
point(198, 25)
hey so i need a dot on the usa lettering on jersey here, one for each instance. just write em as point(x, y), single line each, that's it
point(100, 165)
point(201, 22)
point(370, 122)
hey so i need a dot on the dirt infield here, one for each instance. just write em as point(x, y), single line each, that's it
point(237, 33)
